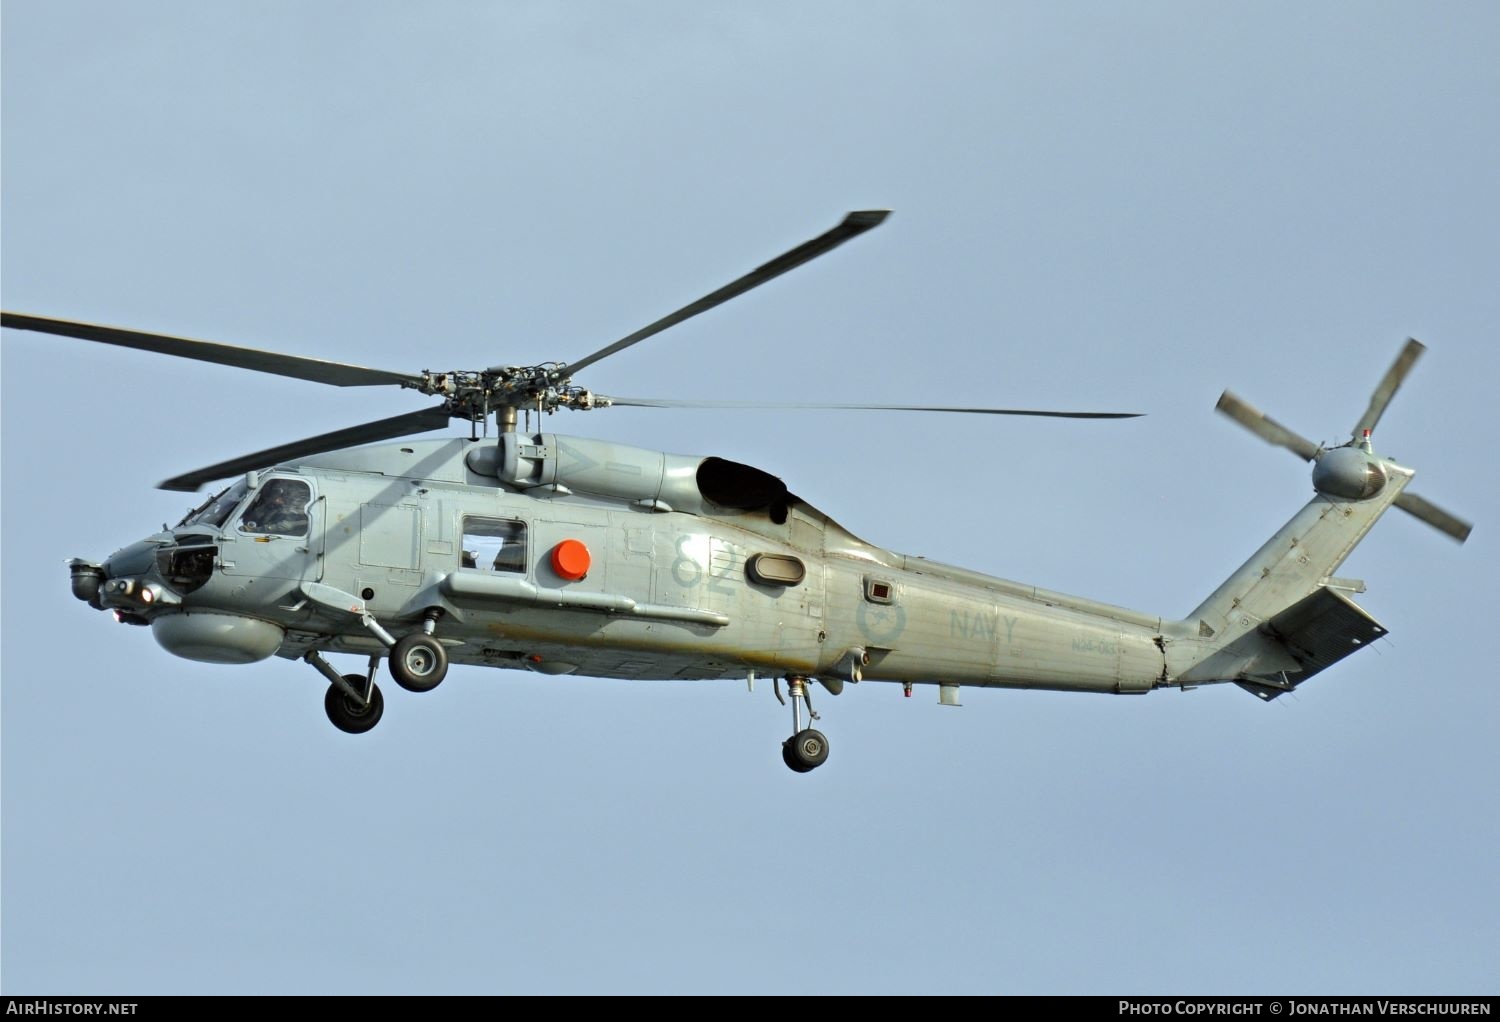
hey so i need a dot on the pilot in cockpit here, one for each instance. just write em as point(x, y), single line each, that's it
point(280, 509)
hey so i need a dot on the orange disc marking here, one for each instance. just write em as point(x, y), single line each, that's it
point(570, 559)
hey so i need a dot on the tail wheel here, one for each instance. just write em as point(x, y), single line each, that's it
point(349, 715)
point(419, 662)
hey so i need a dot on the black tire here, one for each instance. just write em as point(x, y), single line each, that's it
point(786, 757)
point(347, 714)
point(419, 662)
point(806, 750)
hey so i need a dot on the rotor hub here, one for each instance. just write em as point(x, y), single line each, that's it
point(1348, 473)
point(473, 395)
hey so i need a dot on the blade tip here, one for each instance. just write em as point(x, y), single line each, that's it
point(1460, 531)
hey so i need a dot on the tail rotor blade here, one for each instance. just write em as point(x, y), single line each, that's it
point(1265, 427)
point(1420, 507)
point(1389, 385)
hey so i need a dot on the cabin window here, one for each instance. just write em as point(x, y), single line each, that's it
point(279, 509)
point(494, 544)
point(879, 590)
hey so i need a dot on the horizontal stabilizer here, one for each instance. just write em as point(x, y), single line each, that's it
point(1318, 632)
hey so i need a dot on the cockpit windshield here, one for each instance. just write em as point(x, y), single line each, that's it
point(217, 509)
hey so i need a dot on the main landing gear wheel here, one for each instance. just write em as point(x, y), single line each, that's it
point(805, 750)
point(786, 757)
point(419, 662)
point(350, 715)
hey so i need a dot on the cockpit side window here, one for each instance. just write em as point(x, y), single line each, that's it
point(494, 544)
point(279, 509)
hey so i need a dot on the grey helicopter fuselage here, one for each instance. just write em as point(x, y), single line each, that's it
point(690, 568)
point(680, 583)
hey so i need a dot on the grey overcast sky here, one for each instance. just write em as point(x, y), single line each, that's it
point(1097, 205)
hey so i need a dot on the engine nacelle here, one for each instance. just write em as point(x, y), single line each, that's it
point(1348, 473)
point(600, 468)
point(213, 638)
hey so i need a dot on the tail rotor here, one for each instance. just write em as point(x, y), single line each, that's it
point(1351, 471)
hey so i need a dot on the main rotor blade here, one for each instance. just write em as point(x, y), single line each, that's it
point(1265, 427)
point(384, 429)
point(1433, 515)
point(653, 402)
point(318, 370)
point(852, 226)
point(1388, 385)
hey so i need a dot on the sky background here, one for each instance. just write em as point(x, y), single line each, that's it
point(1097, 206)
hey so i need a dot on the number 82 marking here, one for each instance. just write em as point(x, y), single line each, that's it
point(687, 572)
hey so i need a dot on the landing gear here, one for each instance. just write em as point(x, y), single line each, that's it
point(347, 711)
point(419, 662)
point(353, 701)
point(807, 749)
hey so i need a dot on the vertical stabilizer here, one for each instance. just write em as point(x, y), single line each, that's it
point(1283, 616)
point(1228, 636)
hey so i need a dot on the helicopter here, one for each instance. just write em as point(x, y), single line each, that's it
point(565, 555)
